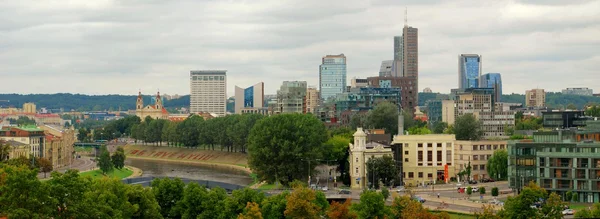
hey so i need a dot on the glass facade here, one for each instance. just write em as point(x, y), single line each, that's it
point(492, 80)
point(434, 111)
point(366, 98)
point(469, 71)
point(249, 97)
point(332, 76)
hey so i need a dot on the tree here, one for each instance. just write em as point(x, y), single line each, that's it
point(336, 147)
point(467, 128)
point(239, 200)
point(118, 159)
point(252, 211)
point(571, 106)
point(83, 135)
point(274, 206)
point(469, 190)
point(575, 197)
point(300, 204)
point(68, 190)
point(439, 127)
point(385, 192)
point(189, 131)
point(22, 195)
point(568, 196)
point(192, 204)
point(278, 144)
point(371, 205)
point(518, 206)
point(449, 130)
point(143, 202)
point(382, 169)
point(594, 212)
point(497, 165)
point(487, 212)
point(44, 164)
point(593, 110)
point(358, 120)
point(553, 207)
point(419, 131)
point(168, 193)
point(103, 161)
point(4, 151)
point(107, 198)
point(495, 191)
point(399, 204)
point(482, 190)
point(341, 210)
point(213, 206)
point(384, 116)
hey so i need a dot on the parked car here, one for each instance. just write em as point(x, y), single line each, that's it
point(325, 188)
point(568, 212)
point(345, 192)
point(472, 182)
point(474, 189)
point(400, 189)
point(419, 199)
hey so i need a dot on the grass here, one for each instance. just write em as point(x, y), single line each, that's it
point(83, 149)
point(456, 215)
point(577, 207)
point(121, 174)
point(268, 187)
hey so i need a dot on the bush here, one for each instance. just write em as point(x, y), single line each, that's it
point(495, 191)
point(482, 191)
point(469, 190)
point(575, 197)
point(568, 196)
point(385, 192)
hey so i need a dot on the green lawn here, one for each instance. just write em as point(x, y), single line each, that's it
point(83, 149)
point(268, 187)
point(456, 215)
point(123, 173)
point(577, 206)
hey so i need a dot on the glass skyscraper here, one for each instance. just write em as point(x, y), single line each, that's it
point(469, 71)
point(332, 76)
point(492, 80)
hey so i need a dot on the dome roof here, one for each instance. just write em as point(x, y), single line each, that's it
point(359, 133)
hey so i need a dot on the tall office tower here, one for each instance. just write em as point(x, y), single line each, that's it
point(332, 76)
point(469, 71)
point(251, 98)
point(406, 55)
point(535, 98)
point(386, 68)
point(492, 80)
point(208, 91)
point(291, 97)
point(312, 99)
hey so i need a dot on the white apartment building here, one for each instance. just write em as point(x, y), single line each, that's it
point(208, 91)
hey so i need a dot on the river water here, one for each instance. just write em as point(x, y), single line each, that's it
point(190, 171)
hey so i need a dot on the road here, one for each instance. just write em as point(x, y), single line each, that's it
point(81, 164)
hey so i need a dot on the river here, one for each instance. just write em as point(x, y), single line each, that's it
point(189, 171)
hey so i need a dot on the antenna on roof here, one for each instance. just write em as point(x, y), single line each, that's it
point(406, 16)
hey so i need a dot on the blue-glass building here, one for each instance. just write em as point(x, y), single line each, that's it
point(332, 76)
point(492, 80)
point(469, 71)
point(249, 98)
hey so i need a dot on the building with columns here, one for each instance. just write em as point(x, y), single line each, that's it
point(360, 153)
point(155, 111)
point(426, 158)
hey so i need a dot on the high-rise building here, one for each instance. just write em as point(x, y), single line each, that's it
point(386, 68)
point(469, 71)
point(291, 97)
point(312, 99)
point(29, 108)
point(583, 91)
point(492, 80)
point(481, 103)
point(249, 98)
point(332, 75)
point(406, 57)
point(208, 91)
point(408, 86)
point(535, 98)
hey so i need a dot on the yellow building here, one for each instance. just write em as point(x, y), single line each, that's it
point(29, 108)
point(426, 158)
point(360, 153)
point(59, 145)
point(478, 153)
point(17, 149)
point(155, 111)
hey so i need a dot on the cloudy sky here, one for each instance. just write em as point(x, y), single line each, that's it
point(118, 47)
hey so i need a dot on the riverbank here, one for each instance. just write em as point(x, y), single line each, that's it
point(209, 158)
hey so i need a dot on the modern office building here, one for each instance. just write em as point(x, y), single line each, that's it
point(564, 119)
point(477, 153)
point(358, 82)
point(366, 98)
point(492, 80)
point(427, 159)
point(448, 112)
point(385, 70)
point(332, 75)
point(208, 91)
point(535, 98)
point(252, 97)
point(495, 123)
point(408, 86)
point(291, 97)
point(469, 71)
point(559, 161)
point(474, 100)
point(434, 111)
point(406, 56)
point(312, 99)
point(583, 91)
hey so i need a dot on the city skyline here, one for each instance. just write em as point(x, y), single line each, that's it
point(112, 47)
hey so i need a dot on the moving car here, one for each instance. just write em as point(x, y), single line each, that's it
point(325, 188)
point(568, 212)
point(419, 199)
point(345, 192)
point(400, 189)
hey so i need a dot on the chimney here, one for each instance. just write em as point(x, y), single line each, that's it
point(400, 123)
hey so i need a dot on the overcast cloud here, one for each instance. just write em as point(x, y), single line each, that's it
point(118, 47)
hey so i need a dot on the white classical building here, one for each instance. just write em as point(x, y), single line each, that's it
point(360, 153)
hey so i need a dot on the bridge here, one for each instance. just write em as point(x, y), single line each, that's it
point(331, 195)
point(94, 145)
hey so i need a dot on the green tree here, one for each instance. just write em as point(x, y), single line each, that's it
point(168, 193)
point(83, 135)
point(467, 128)
point(385, 192)
point(469, 190)
point(384, 116)
point(495, 191)
point(107, 198)
point(193, 202)
point(372, 205)
point(482, 191)
point(118, 158)
point(594, 212)
point(335, 148)
point(239, 199)
point(189, 130)
point(301, 204)
point(252, 211)
point(22, 195)
point(487, 212)
point(143, 201)
point(571, 106)
point(68, 190)
point(575, 197)
point(439, 127)
point(274, 206)
point(214, 204)
point(593, 110)
point(45, 165)
point(399, 204)
point(568, 196)
point(497, 165)
point(103, 161)
point(4, 151)
point(518, 206)
point(358, 120)
point(382, 169)
point(419, 131)
point(553, 207)
point(279, 144)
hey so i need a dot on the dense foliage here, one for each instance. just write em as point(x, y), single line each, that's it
point(519, 206)
point(467, 128)
point(382, 170)
point(497, 165)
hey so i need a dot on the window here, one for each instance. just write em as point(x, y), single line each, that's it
point(439, 156)
point(420, 174)
point(474, 147)
point(475, 167)
point(482, 167)
point(357, 170)
point(449, 145)
point(481, 147)
point(406, 152)
point(429, 156)
point(475, 157)
point(405, 159)
point(406, 145)
point(411, 175)
point(420, 156)
point(430, 175)
point(495, 147)
point(357, 159)
point(501, 146)
point(439, 145)
point(430, 145)
point(449, 157)
point(420, 145)
point(489, 147)
point(403, 174)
